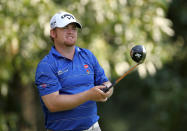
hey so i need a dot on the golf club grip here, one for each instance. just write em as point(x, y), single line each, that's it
point(106, 89)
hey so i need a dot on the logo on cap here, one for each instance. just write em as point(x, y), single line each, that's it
point(62, 19)
point(67, 16)
point(53, 24)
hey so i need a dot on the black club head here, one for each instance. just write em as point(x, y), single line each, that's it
point(138, 53)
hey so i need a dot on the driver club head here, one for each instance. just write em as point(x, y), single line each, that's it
point(138, 53)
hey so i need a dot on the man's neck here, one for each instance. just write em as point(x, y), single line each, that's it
point(66, 51)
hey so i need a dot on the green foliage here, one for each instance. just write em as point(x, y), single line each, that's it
point(23, 25)
point(151, 99)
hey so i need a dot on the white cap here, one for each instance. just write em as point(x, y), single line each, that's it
point(62, 19)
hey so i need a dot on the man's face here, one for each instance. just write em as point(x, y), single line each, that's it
point(66, 36)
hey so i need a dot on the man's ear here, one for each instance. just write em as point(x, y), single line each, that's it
point(53, 33)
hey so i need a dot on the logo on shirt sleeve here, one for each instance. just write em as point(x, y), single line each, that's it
point(43, 85)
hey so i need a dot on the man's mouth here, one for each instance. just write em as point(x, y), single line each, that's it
point(70, 37)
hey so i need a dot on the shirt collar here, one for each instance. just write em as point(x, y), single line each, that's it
point(56, 53)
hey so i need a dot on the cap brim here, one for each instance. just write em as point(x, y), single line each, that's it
point(78, 25)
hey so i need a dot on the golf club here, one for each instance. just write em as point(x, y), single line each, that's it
point(138, 54)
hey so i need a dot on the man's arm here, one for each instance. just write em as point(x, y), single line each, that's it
point(56, 102)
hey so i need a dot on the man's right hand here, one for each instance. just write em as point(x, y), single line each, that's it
point(96, 94)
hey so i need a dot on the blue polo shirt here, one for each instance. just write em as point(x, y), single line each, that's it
point(57, 73)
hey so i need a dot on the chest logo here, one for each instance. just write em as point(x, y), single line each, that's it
point(61, 72)
point(86, 67)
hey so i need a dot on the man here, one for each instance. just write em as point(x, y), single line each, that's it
point(69, 80)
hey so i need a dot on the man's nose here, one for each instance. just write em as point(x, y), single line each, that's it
point(70, 30)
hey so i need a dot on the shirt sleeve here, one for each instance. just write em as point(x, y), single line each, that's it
point(99, 74)
point(46, 80)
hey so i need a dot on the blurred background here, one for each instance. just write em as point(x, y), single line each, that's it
point(151, 98)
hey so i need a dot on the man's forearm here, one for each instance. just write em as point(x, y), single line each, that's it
point(56, 102)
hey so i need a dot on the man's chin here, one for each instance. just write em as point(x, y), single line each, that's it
point(70, 44)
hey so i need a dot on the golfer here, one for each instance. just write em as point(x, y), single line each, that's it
point(69, 80)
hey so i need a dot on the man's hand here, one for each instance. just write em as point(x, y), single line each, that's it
point(96, 93)
point(109, 92)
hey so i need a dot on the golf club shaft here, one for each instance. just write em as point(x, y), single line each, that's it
point(119, 79)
